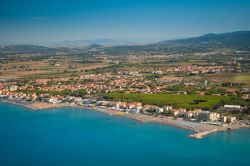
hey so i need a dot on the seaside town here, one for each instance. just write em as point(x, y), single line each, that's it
point(125, 83)
point(201, 87)
point(212, 107)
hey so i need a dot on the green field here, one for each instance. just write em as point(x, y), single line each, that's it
point(241, 78)
point(237, 78)
point(178, 101)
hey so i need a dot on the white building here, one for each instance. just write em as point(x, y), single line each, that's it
point(232, 106)
point(167, 108)
point(223, 119)
point(13, 88)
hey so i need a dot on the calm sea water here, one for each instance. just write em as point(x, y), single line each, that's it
point(67, 136)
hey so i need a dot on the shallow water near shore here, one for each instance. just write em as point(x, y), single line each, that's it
point(71, 136)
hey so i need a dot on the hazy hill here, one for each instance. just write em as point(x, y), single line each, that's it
point(91, 42)
point(238, 40)
point(232, 39)
point(25, 48)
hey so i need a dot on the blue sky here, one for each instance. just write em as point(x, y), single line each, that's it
point(34, 21)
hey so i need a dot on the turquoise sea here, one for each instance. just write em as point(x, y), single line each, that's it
point(72, 137)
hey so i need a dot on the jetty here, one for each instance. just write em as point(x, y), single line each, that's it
point(200, 135)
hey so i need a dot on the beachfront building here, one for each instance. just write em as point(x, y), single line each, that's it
point(152, 109)
point(223, 119)
point(34, 97)
point(160, 110)
point(231, 119)
point(88, 101)
point(189, 114)
point(105, 103)
point(167, 108)
point(135, 105)
point(54, 100)
point(228, 119)
point(174, 112)
point(177, 112)
point(78, 100)
point(121, 105)
point(207, 116)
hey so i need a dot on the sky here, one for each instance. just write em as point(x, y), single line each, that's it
point(37, 21)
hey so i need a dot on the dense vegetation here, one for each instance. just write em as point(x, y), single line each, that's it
point(178, 101)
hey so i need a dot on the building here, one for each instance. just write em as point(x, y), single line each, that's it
point(88, 101)
point(105, 103)
point(152, 109)
point(167, 108)
point(160, 110)
point(246, 97)
point(54, 100)
point(135, 105)
point(203, 115)
point(13, 88)
point(207, 116)
point(34, 97)
point(231, 119)
point(174, 112)
point(232, 107)
point(223, 119)
point(121, 105)
point(177, 112)
point(189, 114)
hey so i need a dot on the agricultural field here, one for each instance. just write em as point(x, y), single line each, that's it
point(47, 67)
point(236, 78)
point(241, 78)
point(178, 101)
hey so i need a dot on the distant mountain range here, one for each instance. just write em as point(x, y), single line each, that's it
point(91, 42)
point(239, 39)
point(232, 39)
point(25, 48)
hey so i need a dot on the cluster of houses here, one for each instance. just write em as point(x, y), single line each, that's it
point(245, 94)
point(92, 84)
point(194, 115)
point(131, 81)
point(104, 83)
point(190, 69)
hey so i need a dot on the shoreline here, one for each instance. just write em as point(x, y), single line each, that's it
point(200, 130)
